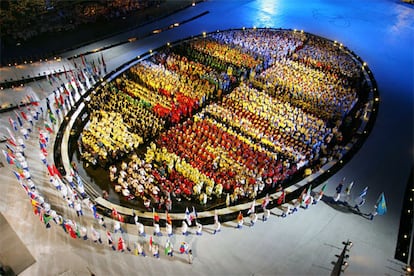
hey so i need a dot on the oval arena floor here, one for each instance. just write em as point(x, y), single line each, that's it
point(305, 243)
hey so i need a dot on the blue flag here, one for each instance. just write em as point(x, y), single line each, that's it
point(381, 206)
point(363, 193)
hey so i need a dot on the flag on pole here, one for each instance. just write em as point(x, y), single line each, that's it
point(187, 216)
point(48, 128)
point(83, 60)
point(46, 218)
point(381, 206)
point(322, 191)
point(240, 217)
point(265, 201)
point(11, 140)
point(56, 171)
point(10, 150)
point(216, 219)
point(103, 61)
point(193, 214)
point(23, 115)
point(252, 208)
point(18, 119)
point(363, 193)
point(51, 116)
point(169, 221)
point(301, 198)
point(9, 157)
point(360, 200)
point(17, 175)
point(13, 124)
point(155, 215)
point(281, 198)
point(348, 189)
point(70, 230)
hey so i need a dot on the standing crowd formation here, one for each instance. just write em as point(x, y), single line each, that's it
point(231, 113)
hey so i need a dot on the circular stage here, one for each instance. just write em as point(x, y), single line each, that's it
point(220, 122)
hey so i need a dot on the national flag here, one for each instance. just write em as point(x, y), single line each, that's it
point(167, 247)
point(77, 230)
point(109, 236)
point(155, 215)
point(240, 216)
point(169, 221)
point(42, 145)
point(13, 124)
point(32, 100)
point(50, 169)
point(252, 207)
point(61, 100)
point(51, 116)
point(10, 150)
point(17, 175)
point(65, 91)
point(349, 188)
point(18, 166)
point(381, 206)
point(187, 216)
point(48, 128)
point(360, 200)
point(216, 219)
point(266, 201)
point(281, 198)
point(44, 151)
point(121, 244)
point(83, 60)
point(193, 214)
point(301, 198)
point(307, 198)
point(322, 191)
point(56, 171)
point(94, 211)
point(23, 115)
point(42, 138)
point(116, 215)
point(57, 102)
point(103, 61)
point(363, 193)
point(12, 139)
point(46, 218)
point(70, 230)
point(12, 142)
point(79, 181)
point(36, 206)
point(19, 119)
point(9, 157)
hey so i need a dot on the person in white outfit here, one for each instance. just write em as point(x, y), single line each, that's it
point(157, 230)
point(199, 228)
point(266, 214)
point(140, 227)
point(169, 229)
point(253, 219)
point(184, 228)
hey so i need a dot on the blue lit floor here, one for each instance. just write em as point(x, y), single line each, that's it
point(382, 33)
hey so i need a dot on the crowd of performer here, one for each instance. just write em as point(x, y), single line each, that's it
point(281, 111)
